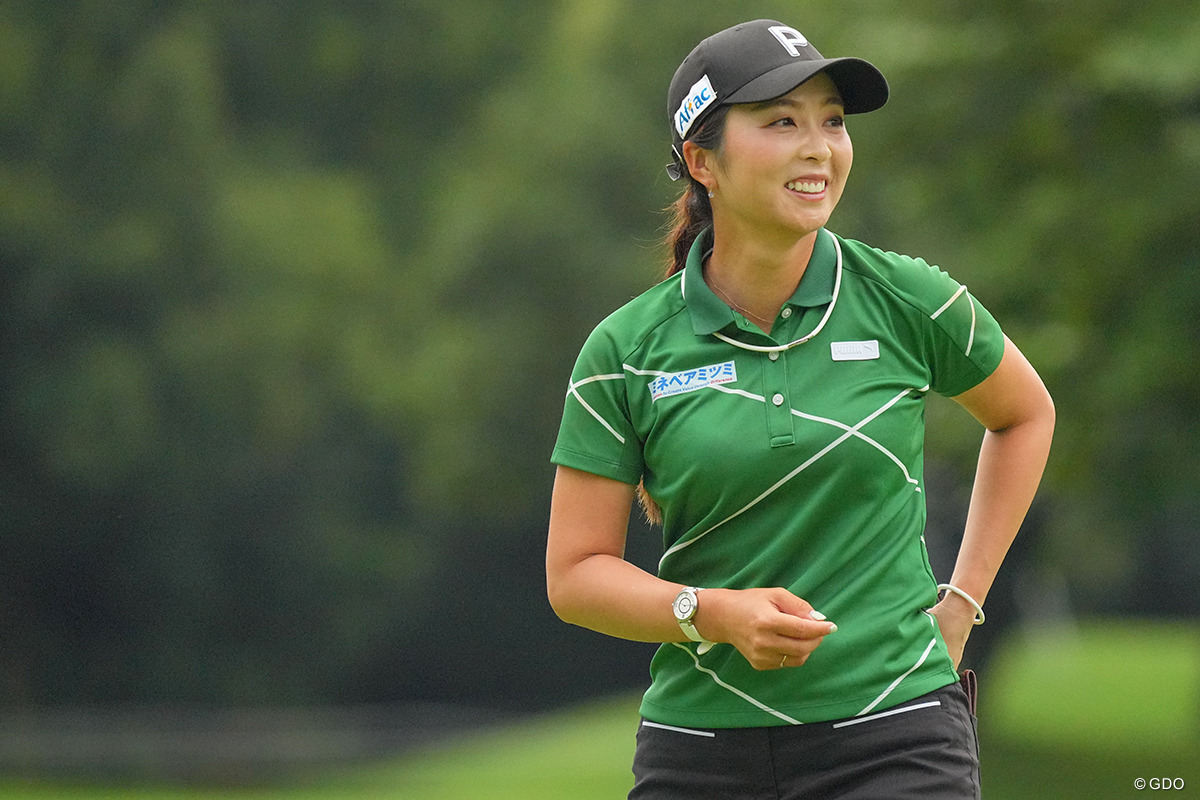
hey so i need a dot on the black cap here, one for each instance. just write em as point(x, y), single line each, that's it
point(754, 62)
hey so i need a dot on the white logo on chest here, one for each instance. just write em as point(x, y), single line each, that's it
point(855, 351)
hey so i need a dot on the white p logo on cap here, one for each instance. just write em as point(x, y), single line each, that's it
point(790, 38)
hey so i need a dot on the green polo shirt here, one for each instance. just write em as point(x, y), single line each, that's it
point(797, 466)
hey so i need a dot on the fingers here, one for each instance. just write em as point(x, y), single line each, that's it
point(783, 653)
point(789, 603)
point(792, 635)
point(955, 628)
point(800, 620)
point(772, 628)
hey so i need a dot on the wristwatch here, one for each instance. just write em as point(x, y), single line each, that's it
point(685, 605)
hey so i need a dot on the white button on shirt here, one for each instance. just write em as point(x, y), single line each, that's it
point(777, 399)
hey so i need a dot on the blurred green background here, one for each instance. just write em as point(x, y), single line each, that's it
point(289, 296)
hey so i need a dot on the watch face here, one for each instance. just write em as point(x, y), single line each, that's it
point(685, 605)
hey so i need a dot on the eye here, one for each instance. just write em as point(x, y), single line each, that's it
point(783, 122)
point(837, 121)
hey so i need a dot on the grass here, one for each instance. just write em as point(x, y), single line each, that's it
point(583, 753)
point(1083, 713)
point(580, 753)
point(1067, 714)
point(1124, 689)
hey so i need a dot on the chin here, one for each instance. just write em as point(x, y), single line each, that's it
point(808, 224)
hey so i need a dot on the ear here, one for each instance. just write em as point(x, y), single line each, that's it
point(700, 163)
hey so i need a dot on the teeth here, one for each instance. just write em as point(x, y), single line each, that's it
point(807, 187)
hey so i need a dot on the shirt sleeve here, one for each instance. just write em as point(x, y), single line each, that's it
point(963, 341)
point(596, 434)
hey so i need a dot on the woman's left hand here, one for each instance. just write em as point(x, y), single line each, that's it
point(955, 624)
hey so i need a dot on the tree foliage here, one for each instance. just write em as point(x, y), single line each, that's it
point(289, 294)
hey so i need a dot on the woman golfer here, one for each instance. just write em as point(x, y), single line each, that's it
point(766, 402)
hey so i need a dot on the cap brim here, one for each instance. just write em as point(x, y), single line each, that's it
point(862, 87)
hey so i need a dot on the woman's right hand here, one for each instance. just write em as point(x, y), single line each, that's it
point(771, 628)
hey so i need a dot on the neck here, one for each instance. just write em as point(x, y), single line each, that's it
point(756, 278)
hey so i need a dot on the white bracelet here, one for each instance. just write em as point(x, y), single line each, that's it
point(949, 587)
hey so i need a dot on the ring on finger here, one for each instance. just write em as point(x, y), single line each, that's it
point(783, 662)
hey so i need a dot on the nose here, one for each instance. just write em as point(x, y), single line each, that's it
point(812, 144)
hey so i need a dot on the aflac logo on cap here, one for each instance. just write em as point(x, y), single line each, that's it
point(698, 98)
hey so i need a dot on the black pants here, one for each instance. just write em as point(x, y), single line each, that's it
point(925, 749)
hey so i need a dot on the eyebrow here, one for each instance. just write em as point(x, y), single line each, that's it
point(831, 100)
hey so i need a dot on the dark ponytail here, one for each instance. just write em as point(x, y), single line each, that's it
point(692, 212)
point(690, 215)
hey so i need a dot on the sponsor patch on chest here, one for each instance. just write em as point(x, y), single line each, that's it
point(855, 351)
point(692, 379)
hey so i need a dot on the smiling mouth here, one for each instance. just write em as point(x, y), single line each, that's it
point(807, 187)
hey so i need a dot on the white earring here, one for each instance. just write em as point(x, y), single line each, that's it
point(710, 194)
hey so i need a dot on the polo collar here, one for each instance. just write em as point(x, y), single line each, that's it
point(710, 314)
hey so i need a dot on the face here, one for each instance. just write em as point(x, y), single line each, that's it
point(782, 165)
